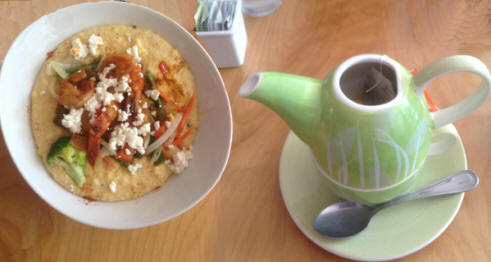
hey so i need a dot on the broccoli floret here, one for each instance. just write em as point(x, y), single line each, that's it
point(73, 160)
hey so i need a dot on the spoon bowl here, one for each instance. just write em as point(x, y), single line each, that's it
point(346, 218)
point(343, 218)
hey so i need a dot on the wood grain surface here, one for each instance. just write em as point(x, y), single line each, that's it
point(244, 218)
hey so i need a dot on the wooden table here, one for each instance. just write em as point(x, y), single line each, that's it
point(244, 218)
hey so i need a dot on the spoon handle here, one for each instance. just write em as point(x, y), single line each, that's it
point(459, 182)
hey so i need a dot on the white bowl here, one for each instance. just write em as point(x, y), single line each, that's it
point(181, 192)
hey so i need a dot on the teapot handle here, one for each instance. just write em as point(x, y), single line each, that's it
point(453, 64)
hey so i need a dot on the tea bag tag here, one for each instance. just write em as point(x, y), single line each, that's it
point(379, 89)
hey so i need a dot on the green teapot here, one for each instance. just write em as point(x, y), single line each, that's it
point(368, 150)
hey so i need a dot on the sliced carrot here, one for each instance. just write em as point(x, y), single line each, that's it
point(177, 142)
point(108, 161)
point(164, 96)
point(431, 106)
point(121, 155)
point(164, 152)
point(160, 131)
point(187, 112)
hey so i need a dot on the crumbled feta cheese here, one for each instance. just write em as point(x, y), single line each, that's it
point(133, 168)
point(112, 186)
point(103, 95)
point(127, 151)
point(103, 109)
point(123, 85)
point(144, 130)
point(119, 97)
point(123, 134)
point(167, 124)
point(139, 119)
point(135, 141)
point(43, 92)
point(153, 94)
point(180, 161)
point(133, 51)
point(118, 137)
point(94, 43)
point(92, 105)
point(108, 69)
point(154, 113)
point(145, 105)
point(122, 115)
point(156, 125)
point(79, 50)
point(72, 120)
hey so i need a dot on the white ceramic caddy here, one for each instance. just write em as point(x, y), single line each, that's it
point(227, 47)
point(181, 192)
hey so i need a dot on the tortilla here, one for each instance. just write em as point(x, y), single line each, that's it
point(103, 182)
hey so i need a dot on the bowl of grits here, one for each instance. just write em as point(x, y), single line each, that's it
point(119, 120)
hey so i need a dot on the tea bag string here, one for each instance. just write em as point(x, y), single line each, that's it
point(378, 80)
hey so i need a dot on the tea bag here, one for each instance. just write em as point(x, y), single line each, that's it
point(378, 88)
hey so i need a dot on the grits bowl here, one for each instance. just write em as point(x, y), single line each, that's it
point(212, 141)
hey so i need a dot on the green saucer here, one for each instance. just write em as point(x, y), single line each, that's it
point(394, 232)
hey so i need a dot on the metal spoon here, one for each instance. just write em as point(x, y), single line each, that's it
point(343, 219)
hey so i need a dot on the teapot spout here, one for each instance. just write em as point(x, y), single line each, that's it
point(296, 99)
